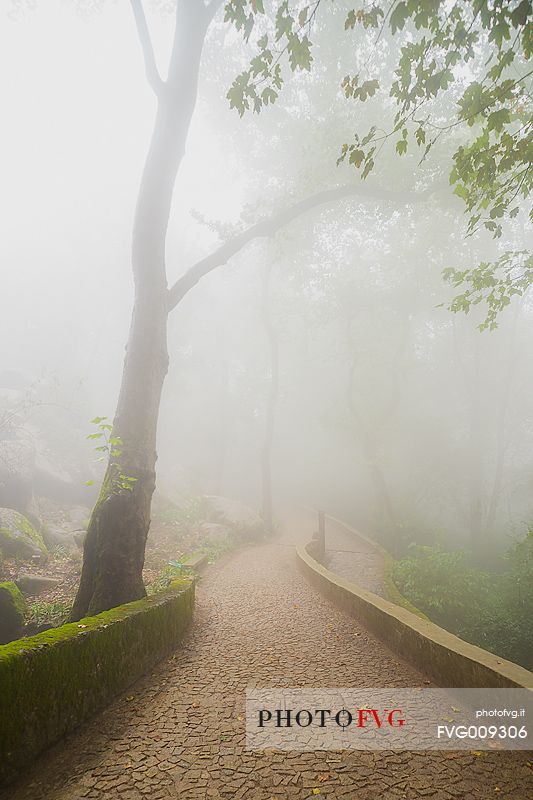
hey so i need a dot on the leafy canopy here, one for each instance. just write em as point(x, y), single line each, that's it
point(475, 50)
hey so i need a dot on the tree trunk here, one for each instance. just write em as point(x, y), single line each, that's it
point(474, 460)
point(113, 557)
point(503, 408)
point(385, 519)
point(272, 401)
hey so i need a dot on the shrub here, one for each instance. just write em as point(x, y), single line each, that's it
point(492, 610)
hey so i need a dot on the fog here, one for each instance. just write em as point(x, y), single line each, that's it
point(266, 399)
point(392, 412)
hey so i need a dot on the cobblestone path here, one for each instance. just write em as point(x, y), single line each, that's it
point(352, 558)
point(179, 732)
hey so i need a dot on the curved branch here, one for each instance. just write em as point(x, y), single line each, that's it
point(268, 227)
point(152, 73)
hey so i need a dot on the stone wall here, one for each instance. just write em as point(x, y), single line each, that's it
point(440, 655)
point(51, 682)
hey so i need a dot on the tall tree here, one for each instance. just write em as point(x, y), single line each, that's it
point(116, 537)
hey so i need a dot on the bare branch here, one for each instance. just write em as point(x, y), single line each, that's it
point(268, 227)
point(152, 73)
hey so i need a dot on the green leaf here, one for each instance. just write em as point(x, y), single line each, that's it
point(350, 21)
point(420, 136)
point(398, 17)
point(356, 157)
point(284, 21)
point(497, 119)
point(367, 89)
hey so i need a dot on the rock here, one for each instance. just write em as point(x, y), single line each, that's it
point(243, 520)
point(214, 531)
point(79, 517)
point(55, 483)
point(18, 537)
point(12, 610)
point(79, 538)
point(57, 537)
point(36, 584)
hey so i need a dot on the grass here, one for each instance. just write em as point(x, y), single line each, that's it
point(54, 613)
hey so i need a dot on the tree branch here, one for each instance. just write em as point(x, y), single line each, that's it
point(268, 227)
point(152, 73)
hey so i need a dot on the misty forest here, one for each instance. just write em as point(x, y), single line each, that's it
point(265, 322)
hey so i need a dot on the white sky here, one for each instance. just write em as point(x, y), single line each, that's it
point(76, 118)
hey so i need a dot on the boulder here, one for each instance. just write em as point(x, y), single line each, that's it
point(231, 512)
point(79, 517)
point(79, 538)
point(35, 584)
point(243, 520)
point(57, 484)
point(57, 537)
point(18, 537)
point(12, 610)
point(214, 531)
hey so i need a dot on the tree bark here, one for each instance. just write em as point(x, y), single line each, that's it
point(114, 548)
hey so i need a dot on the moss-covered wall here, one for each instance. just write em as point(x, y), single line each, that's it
point(12, 610)
point(51, 682)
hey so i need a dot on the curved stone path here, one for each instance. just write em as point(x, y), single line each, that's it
point(353, 558)
point(179, 732)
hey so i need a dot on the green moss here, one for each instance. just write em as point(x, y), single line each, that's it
point(12, 611)
point(24, 526)
point(53, 681)
point(16, 596)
